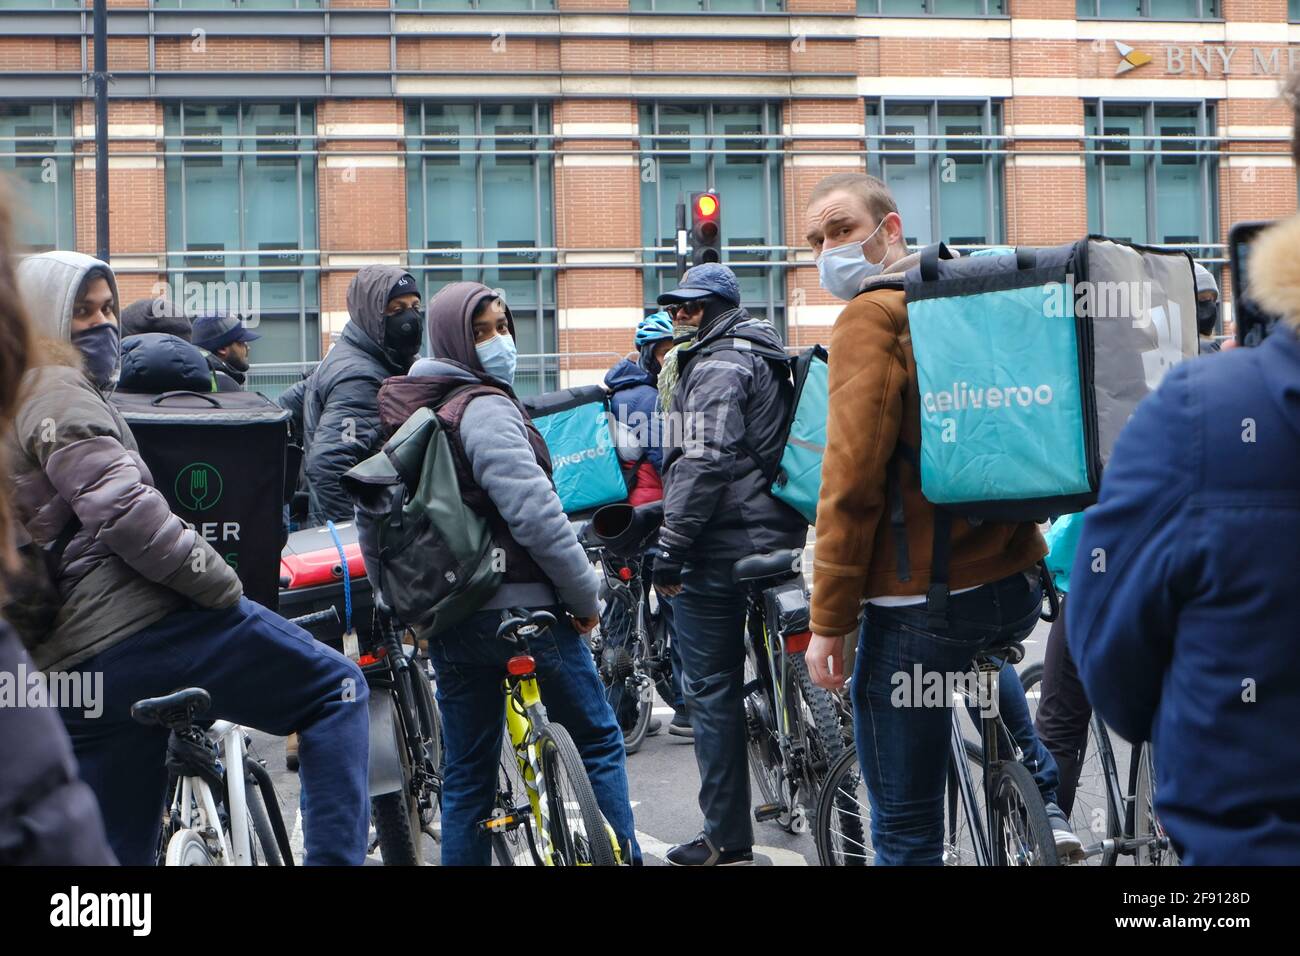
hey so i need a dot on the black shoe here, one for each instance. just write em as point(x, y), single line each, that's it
point(700, 852)
point(681, 726)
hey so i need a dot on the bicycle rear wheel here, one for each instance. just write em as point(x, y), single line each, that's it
point(1154, 847)
point(843, 824)
point(825, 743)
point(578, 829)
point(1020, 832)
point(760, 732)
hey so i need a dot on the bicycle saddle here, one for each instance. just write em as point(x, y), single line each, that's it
point(174, 710)
point(520, 623)
point(758, 567)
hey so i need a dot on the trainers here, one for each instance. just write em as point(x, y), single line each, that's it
point(1067, 844)
point(681, 725)
point(654, 726)
point(700, 852)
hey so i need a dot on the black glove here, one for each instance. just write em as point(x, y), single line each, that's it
point(667, 569)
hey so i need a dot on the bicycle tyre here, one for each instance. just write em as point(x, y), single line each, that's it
point(187, 848)
point(634, 737)
point(261, 832)
point(565, 777)
point(842, 828)
point(1146, 825)
point(396, 815)
point(430, 723)
point(760, 734)
point(827, 731)
point(1013, 782)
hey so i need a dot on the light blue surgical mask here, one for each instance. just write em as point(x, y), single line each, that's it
point(498, 357)
point(843, 269)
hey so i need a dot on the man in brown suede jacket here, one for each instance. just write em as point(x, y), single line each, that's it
point(873, 553)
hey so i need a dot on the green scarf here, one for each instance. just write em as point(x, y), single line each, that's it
point(684, 336)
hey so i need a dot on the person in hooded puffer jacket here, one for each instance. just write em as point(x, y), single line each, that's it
point(504, 471)
point(336, 408)
point(148, 606)
point(48, 816)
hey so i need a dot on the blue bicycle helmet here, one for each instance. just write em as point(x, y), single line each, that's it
point(652, 330)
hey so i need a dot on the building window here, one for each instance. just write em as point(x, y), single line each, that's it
point(707, 6)
point(734, 149)
point(1150, 179)
point(1149, 9)
point(40, 4)
point(932, 8)
point(495, 5)
point(943, 169)
point(479, 188)
point(238, 4)
point(36, 154)
point(241, 219)
point(1293, 10)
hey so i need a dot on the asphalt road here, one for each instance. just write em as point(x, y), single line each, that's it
point(664, 784)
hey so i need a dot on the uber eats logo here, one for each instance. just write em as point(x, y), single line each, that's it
point(198, 486)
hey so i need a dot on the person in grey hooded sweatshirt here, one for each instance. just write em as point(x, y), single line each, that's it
point(148, 606)
point(504, 472)
point(336, 408)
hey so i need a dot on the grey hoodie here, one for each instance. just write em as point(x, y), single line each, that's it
point(132, 562)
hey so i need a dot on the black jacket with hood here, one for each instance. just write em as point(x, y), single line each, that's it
point(716, 498)
point(340, 400)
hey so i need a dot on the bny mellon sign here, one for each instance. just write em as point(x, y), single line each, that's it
point(1213, 60)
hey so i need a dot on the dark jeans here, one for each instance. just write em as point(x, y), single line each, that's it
point(1063, 711)
point(470, 666)
point(904, 750)
point(710, 619)
point(262, 672)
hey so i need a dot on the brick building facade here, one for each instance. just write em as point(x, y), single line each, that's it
point(541, 145)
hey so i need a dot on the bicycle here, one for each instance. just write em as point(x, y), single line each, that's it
point(630, 644)
point(546, 812)
point(998, 821)
point(214, 818)
point(794, 730)
point(1125, 818)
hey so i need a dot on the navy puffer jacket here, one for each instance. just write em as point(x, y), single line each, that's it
point(158, 362)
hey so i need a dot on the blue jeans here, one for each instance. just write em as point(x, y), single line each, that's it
point(471, 666)
point(904, 750)
point(261, 672)
point(710, 634)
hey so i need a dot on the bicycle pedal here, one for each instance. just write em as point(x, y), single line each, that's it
point(505, 822)
point(768, 811)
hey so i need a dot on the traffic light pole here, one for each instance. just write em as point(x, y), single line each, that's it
point(681, 239)
point(100, 77)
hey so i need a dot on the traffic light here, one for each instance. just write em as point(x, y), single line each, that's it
point(706, 228)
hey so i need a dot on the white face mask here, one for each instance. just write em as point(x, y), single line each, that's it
point(843, 269)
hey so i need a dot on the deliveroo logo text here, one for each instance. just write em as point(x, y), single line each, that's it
point(198, 486)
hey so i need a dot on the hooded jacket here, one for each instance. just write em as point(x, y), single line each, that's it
point(132, 562)
point(340, 399)
point(873, 406)
point(157, 362)
point(1187, 636)
point(225, 377)
point(716, 498)
point(48, 817)
point(502, 461)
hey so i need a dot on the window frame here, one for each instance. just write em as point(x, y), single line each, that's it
point(928, 11)
point(993, 157)
point(60, 110)
point(1144, 12)
point(653, 278)
point(1208, 164)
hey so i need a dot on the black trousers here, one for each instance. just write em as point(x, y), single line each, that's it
point(1063, 712)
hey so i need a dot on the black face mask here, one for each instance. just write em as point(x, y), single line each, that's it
point(100, 348)
point(402, 335)
point(1207, 313)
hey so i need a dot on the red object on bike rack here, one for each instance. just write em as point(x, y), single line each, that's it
point(798, 643)
point(625, 574)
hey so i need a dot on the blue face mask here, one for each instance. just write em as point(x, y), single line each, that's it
point(100, 349)
point(843, 269)
point(498, 357)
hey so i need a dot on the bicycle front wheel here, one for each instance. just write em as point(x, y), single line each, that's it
point(1021, 832)
point(514, 845)
point(843, 824)
point(579, 834)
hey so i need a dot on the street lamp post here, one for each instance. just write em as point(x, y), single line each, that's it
point(100, 78)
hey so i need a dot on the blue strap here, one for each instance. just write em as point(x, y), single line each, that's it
point(347, 578)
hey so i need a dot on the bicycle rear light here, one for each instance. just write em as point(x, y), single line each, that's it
point(521, 665)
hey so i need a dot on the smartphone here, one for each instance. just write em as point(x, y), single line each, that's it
point(1253, 322)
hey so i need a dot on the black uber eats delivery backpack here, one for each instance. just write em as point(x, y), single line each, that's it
point(430, 557)
point(219, 460)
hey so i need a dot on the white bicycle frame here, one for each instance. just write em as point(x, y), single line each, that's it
point(197, 808)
